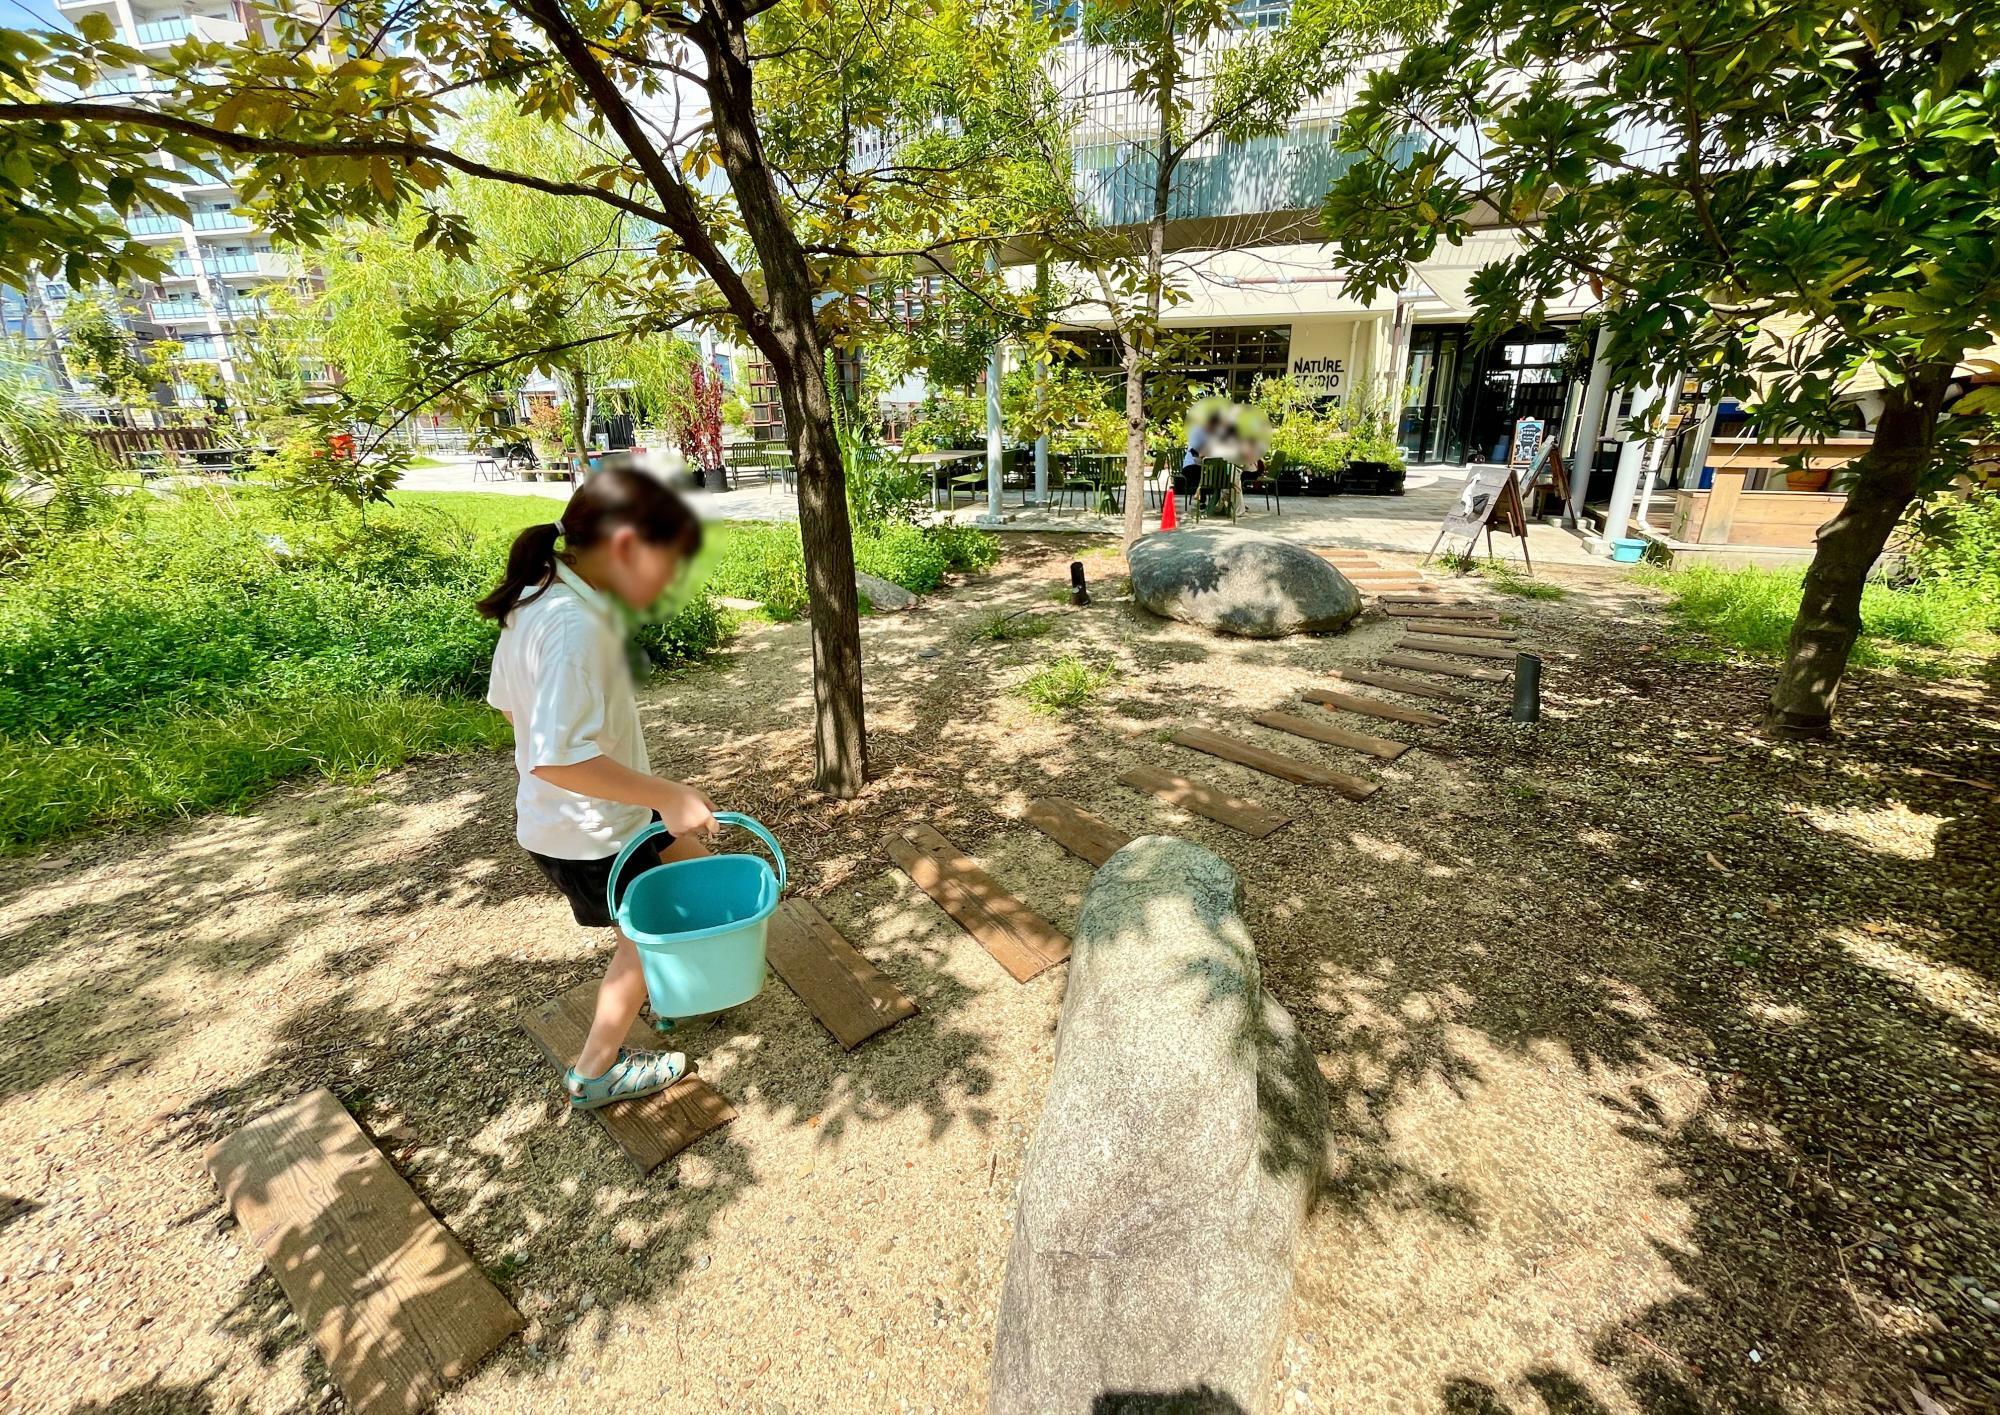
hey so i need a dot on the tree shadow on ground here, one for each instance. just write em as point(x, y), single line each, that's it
point(1593, 891)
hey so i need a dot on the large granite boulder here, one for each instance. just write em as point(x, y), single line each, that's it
point(1179, 1146)
point(1240, 582)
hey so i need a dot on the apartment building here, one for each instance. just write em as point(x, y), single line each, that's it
point(218, 259)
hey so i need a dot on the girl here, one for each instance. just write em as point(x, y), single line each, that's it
point(560, 676)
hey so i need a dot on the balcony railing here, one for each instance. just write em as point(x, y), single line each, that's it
point(170, 311)
point(164, 31)
point(219, 221)
point(218, 265)
point(153, 225)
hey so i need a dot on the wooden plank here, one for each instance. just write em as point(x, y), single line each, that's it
point(1022, 941)
point(1422, 664)
point(1078, 831)
point(396, 1308)
point(1450, 630)
point(1441, 611)
point(1332, 734)
point(1464, 647)
point(1235, 749)
point(652, 1129)
point(1394, 684)
point(1374, 707)
point(851, 997)
point(1426, 596)
point(1219, 806)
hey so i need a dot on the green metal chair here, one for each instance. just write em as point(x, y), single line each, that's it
point(1215, 494)
point(1068, 475)
point(1264, 483)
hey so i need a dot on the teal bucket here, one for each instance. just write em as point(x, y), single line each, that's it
point(699, 924)
point(1627, 552)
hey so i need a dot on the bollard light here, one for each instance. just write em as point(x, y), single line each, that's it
point(1527, 687)
point(1079, 593)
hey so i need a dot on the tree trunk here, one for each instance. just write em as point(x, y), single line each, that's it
point(1148, 335)
point(575, 384)
point(1135, 445)
point(1885, 481)
point(788, 335)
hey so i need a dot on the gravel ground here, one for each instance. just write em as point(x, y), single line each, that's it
point(1664, 1059)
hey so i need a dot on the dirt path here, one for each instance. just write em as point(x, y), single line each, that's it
point(1666, 1062)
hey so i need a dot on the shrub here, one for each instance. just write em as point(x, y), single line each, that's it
point(1956, 547)
point(1064, 683)
point(761, 562)
point(186, 654)
point(967, 548)
point(903, 554)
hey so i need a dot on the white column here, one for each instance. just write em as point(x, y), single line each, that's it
point(1656, 451)
point(1589, 424)
point(1631, 462)
point(1042, 378)
point(993, 416)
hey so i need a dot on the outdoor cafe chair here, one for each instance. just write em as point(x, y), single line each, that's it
point(1215, 494)
point(971, 478)
point(1264, 483)
point(1067, 476)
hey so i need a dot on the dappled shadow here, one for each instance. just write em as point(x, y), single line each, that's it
point(1758, 981)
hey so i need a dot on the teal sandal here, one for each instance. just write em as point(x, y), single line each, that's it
point(632, 1075)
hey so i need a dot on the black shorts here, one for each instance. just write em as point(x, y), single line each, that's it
point(582, 881)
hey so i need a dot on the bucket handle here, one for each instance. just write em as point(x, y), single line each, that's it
point(756, 828)
point(654, 828)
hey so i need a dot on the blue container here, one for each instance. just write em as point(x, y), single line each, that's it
point(699, 924)
point(1627, 552)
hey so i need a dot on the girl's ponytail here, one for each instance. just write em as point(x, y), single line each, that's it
point(531, 564)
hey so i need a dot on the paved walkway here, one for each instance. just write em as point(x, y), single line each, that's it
point(1404, 524)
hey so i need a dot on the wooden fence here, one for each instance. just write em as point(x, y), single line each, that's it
point(124, 444)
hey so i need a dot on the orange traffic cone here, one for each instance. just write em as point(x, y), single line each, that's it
point(1167, 522)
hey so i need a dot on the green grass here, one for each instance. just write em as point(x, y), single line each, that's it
point(193, 761)
point(1003, 627)
point(188, 654)
point(1507, 580)
point(1925, 630)
point(483, 512)
point(1065, 683)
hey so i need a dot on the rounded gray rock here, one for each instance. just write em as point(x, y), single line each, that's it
point(1177, 1152)
point(1240, 582)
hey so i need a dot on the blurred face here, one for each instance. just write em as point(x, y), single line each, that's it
point(635, 569)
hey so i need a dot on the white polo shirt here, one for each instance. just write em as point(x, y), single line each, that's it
point(561, 673)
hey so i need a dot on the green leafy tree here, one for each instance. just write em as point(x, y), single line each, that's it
point(1780, 198)
point(1203, 79)
point(778, 152)
point(99, 348)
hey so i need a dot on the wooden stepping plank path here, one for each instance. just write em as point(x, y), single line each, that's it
point(1441, 611)
point(396, 1308)
point(851, 997)
point(1331, 734)
point(1023, 942)
point(1078, 831)
point(1467, 648)
point(1394, 684)
point(1421, 664)
point(1373, 707)
point(1219, 806)
point(1430, 596)
point(1452, 629)
point(652, 1129)
point(1235, 749)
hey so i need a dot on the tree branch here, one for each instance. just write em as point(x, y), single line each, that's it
point(251, 145)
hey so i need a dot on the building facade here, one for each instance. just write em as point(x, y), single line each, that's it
point(1256, 273)
point(219, 260)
